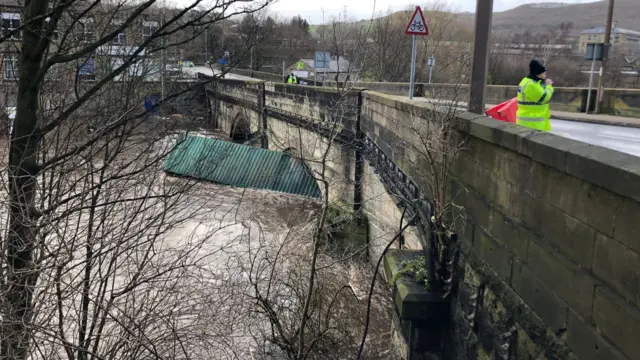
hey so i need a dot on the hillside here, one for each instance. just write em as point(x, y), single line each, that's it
point(536, 18)
point(541, 17)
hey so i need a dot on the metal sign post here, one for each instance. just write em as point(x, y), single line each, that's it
point(594, 52)
point(412, 76)
point(431, 63)
point(417, 26)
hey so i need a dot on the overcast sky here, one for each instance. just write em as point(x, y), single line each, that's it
point(361, 9)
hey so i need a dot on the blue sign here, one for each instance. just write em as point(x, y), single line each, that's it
point(223, 61)
point(87, 68)
point(151, 100)
point(321, 60)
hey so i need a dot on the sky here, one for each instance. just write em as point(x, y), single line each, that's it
point(312, 10)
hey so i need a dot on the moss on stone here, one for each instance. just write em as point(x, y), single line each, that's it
point(343, 231)
point(535, 328)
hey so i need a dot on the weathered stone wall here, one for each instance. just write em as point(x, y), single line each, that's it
point(284, 105)
point(228, 113)
point(549, 242)
point(317, 108)
point(384, 215)
point(550, 249)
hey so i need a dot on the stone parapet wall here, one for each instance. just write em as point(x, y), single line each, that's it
point(549, 245)
point(549, 236)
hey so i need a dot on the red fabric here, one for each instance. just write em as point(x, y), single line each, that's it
point(505, 111)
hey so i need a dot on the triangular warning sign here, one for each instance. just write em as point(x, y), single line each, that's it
point(417, 25)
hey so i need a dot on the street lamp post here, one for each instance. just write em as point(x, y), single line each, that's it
point(605, 58)
point(480, 65)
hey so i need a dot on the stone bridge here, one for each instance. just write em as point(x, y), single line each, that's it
point(544, 262)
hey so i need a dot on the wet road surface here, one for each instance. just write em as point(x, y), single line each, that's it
point(620, 138)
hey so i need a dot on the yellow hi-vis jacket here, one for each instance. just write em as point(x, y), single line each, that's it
point(292, 79)
point(533, 104)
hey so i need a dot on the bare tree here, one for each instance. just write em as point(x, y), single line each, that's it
point(388, 44)
point(86, 270)
point(553, 42)
point(448, 41)
point(304, 289)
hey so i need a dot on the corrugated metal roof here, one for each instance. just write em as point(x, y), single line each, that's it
point(243, 166)
point(340, 65)
point(601, 30)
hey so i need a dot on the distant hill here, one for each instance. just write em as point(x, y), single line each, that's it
point(538, 17)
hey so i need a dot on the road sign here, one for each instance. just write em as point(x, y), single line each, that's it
point(417, 25)
point(321, 60)
point(300, 65)
point(595, 52)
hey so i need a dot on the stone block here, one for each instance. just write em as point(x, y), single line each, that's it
point(509, 136)
point(494, 253)
point(574, 238)
point(618, 265)
point(617, 321)
point(478, 210)
point(544, 302)
point(526, 349)
point(627, 226)
point(495, 190)
point(514, 237)
point(547, 148)
point(567, 280)
point(484, 154)
point(514, 168)
point(586, 202)
point(586, 343)
point(480, 126)
point(610, 169)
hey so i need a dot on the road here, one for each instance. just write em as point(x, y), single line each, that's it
point(623, 139)
point(206, 70)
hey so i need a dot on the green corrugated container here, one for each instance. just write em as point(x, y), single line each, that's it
point(238, 165)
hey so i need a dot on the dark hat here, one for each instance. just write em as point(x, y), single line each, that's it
point(535, 68)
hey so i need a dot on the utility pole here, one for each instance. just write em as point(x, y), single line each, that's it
point(605, 58)
point(206, 44)
point(480, 65)
point(222, 35)
point(163, 65)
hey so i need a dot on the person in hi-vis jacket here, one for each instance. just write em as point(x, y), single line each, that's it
point(534, 94)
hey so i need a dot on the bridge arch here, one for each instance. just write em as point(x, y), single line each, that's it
point(240, 128)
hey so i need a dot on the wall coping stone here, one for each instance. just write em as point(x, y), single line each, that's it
point(324, 89)
point(613, 170)
point(239, 81)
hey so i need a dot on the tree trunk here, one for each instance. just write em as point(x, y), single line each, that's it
point(21, 273)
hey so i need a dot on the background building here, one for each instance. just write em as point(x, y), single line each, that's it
point(620, 38)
